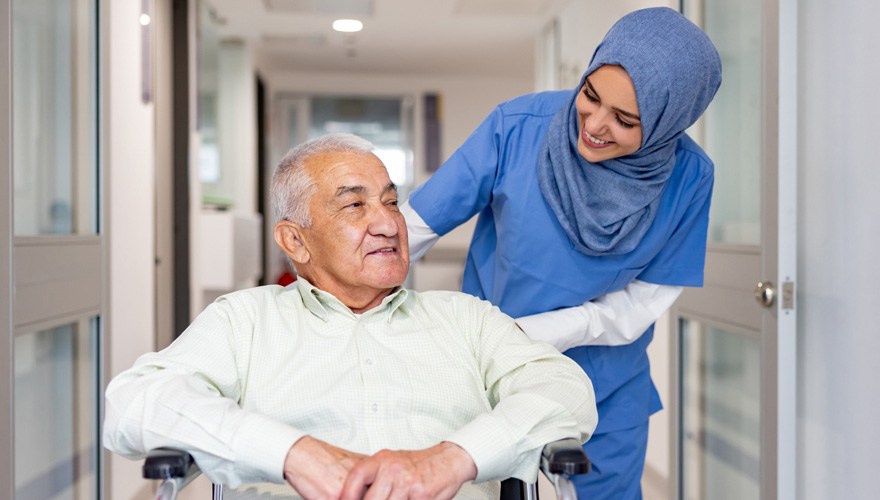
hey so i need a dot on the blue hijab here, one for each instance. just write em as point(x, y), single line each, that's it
point(606, 208)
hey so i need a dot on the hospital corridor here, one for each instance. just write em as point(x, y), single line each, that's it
point(138, 143)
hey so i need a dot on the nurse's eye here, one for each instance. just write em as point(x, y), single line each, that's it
point(590, 97)
point(623, 123)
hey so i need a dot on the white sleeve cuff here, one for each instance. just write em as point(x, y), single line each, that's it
point(617, 318)
point(262, 445)
point(421, 236)
point(488, 444)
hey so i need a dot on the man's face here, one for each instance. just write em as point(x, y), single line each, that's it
point(357, 244)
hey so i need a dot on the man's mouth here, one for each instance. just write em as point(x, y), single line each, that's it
point(383, 251)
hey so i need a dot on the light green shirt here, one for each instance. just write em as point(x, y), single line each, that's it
point(262, 367)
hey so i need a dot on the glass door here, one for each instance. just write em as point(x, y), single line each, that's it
point(51, 252)
point(734, 343)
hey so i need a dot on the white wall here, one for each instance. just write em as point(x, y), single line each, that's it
point(839, 234)
point(128, 133)
point(583, 24)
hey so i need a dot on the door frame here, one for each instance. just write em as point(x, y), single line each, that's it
point(76, 256)
point(775, 259)
point(7, 483)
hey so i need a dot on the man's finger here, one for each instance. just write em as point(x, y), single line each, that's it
point(382, 489)
point(359, 478)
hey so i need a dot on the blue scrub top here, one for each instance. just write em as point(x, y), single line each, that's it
point(521, 260)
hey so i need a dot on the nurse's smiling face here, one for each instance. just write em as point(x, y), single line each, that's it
point(609, 125)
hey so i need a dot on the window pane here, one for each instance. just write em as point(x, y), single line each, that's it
point(217, 185)
point(720, 414)
point(56, 413)
point(54, 117)
point(378, 120)
point(731, 129)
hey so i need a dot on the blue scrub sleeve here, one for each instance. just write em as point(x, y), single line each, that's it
point(463, 185)
point(682, 259)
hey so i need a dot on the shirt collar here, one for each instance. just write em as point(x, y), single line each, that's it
point(322, 304)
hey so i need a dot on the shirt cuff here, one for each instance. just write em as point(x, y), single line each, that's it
point(262, 445)
point(489, 445)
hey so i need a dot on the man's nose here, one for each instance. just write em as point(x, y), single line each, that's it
point(383, 220)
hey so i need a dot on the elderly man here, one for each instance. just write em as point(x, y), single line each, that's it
point(315, 383)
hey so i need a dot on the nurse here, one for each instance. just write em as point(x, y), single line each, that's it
point(593, 210)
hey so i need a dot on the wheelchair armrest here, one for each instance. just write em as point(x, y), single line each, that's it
point(565, 456)
point(168, 463)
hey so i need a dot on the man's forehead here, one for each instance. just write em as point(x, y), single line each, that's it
point(339, 173)
point(330, 168)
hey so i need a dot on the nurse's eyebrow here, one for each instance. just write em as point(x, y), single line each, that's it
point(623, 112)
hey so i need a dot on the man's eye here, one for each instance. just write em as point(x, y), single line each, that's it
point(356, 204)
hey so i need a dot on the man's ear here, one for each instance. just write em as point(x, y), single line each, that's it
point(290, 238)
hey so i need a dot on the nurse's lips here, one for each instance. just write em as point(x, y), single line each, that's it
point(592, 142)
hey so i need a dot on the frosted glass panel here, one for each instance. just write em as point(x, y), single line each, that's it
point(54, 116)
point(379, 120)
point(731, 129)
point(217, 185)
point(56, 413)
point(720, 414)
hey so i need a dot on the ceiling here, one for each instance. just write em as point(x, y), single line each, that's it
point(425, 37)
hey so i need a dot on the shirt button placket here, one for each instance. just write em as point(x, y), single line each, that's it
point(373, 424)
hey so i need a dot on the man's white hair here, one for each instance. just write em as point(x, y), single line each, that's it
point(292, 186)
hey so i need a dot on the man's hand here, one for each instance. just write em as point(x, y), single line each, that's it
point(436, 472)
point(316, 469)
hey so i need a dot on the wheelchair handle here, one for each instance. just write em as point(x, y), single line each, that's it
point(565, 456)
point(167, 463)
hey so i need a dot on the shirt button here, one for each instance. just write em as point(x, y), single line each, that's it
point(369, 361)
point(374, 407)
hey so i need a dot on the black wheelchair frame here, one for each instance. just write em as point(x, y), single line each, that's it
point(559, 461)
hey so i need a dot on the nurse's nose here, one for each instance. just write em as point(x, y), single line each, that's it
point(596, 123)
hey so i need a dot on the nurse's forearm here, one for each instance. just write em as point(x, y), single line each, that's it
point(421, 236)
point(617, 318)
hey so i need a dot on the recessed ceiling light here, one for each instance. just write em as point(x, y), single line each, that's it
point(348, 25)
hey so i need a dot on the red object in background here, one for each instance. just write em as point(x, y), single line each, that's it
point(286, 278)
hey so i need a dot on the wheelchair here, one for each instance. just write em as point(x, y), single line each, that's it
point(559, 461)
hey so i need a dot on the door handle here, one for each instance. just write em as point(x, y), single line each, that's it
point(765, 293)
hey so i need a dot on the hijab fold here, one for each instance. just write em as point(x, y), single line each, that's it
point(606, 208)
